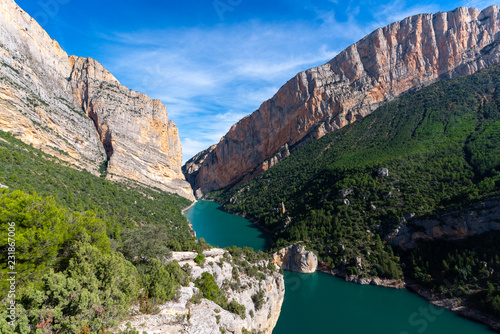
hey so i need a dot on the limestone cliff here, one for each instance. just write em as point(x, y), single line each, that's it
point(402, 56)
point(183, 316)
point(36, 101)
point(192, 166)
point(74, 109)
point(141, 143)
point(296, 258)
point(454, 225)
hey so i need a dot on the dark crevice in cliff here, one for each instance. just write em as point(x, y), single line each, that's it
point(103, 131)
point(88, 108)
point(107, 143)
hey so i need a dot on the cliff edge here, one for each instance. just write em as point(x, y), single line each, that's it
point(74, 109)
point(400, 57)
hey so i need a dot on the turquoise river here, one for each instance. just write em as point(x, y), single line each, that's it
point(321, 303)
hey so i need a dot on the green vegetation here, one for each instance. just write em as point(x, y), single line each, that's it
point(440, 146)
point(121, 206)
point(258, 300)
point(84, 253)
point(93, 248)
point(45, 235)
point(67, 276)
point(467, 268)
point(210, 290)
point(199, 259)
point(160, 285)
point(148, 242)
point(236, 308)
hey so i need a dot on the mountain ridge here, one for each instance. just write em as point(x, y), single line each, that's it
point(410, 191)
point(402, 56)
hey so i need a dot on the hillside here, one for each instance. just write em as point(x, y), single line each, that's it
point(429, 156)
point(392, 60)
point(90, 251)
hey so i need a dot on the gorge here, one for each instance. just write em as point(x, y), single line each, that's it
point(74, 109)
point(400, 57)
point(380, 166)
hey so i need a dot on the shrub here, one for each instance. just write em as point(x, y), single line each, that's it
point(159, 282)
point(258, 300)
point(199, 259)
point(146, 242)
point(210, 290)
point(92, 294)
point(46, 235)
point(236, 308)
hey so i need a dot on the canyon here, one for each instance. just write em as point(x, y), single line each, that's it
point(401, 57)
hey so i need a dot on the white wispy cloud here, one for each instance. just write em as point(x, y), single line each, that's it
point(209, 78)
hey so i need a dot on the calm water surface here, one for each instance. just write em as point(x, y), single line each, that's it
point(321, 303)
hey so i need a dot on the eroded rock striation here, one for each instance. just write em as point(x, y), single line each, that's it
point(296, 258)
point(400, 57)
point(455, 225)
point(74, 109)
point(207, 317)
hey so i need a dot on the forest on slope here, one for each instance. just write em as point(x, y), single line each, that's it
point(85, 248)
point(440, 146)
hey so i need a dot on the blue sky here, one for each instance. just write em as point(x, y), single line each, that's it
point(212, 62)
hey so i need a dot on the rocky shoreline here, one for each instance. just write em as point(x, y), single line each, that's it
point(188, 207)
point(388, 283)
point(193, 232)
point(454, 304)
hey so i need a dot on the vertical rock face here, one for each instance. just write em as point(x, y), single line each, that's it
point(296, 258)
point(455, 225)
point(36, 101)
point(140, 142)
point(192, 166)
point(402, 56)
point(74, 109)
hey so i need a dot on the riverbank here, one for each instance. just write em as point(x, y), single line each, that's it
point(309, 296)
point(388, 283)
point(465, 312)
point(193, 232)
point(455, 305)
point(189, 207)
point(452, 304)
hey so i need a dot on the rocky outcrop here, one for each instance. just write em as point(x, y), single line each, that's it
point(74, 109)
point(140, 142)
point(400, 57)
point(192, 166)
point(458, 305)
point(454, 225)
point(183, 316)
point(296, 258)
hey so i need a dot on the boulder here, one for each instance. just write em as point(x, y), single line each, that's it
point(296, 258)
point(383, 172)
